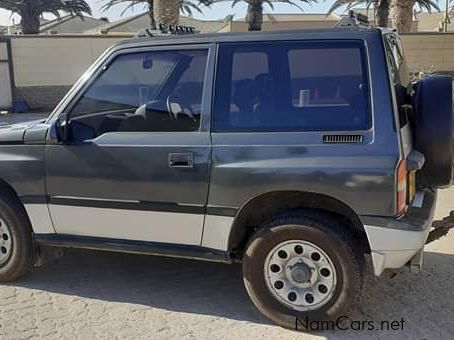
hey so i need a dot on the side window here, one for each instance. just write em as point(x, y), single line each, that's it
point(399, 74)
point(248, 69)
point(292, 86)
point(143, 92)
point(326, 94)
point(395, 57)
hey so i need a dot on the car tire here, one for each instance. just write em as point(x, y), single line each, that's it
point(16, 245)
point(310, 231)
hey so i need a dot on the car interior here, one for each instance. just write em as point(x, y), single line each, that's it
point(174, 105)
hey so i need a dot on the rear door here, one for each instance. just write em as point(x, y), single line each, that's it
point(135, 165)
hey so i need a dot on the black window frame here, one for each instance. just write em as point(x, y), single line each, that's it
point(334, 43)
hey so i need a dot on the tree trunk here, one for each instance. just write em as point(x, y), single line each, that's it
point(29, 23)
point(254, 16)
point(151, 14)
point(402, 15)
point(383, 13)
point(166, 12)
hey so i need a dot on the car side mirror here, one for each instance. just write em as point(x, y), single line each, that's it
point(58, 131)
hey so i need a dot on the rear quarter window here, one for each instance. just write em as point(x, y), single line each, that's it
point(292, 86)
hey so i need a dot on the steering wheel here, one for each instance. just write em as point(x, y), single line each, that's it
point(184, 110)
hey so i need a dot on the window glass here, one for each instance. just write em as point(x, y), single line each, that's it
point(245, 75)
point(395, 57)
point(291, 87)
point(400, 74)
point(149, 91)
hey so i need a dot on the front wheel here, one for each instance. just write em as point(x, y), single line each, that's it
point(299, 269)
point(16, 246)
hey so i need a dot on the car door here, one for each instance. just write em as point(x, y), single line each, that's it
point(135, 161)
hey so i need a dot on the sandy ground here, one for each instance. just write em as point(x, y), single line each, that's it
point(95, 295)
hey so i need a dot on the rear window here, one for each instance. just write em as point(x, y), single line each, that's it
point(291, 86)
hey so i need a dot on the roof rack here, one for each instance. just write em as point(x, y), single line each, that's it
point(165, 29)
point(353, 19)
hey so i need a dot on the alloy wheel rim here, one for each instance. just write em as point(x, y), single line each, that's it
point(5, 242)
point(300, 275)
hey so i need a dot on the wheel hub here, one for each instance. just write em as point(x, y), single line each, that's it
point(300, 272)
point(300, 275)
point(5, 242)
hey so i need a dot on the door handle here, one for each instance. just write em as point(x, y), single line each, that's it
point(181, 160)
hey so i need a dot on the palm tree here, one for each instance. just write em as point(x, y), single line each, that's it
point(383, 7)
point(162, 11)
point(31, 10)
point(254, 15)
point(132, 4)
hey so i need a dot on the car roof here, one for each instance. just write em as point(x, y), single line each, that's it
point(353, 32)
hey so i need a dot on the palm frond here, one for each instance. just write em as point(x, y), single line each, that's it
point(428, 5)
point(270, 3)
point(295, 3)
point(186, 6)
point(131, 4)
point(349, 4)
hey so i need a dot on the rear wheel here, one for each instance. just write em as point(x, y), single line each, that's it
point(303, 268)
point(16, 246)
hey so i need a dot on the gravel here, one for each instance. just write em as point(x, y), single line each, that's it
point(98, 295)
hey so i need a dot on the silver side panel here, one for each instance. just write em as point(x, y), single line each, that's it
point(151, 226)
point(216, 232)
point(40, 218)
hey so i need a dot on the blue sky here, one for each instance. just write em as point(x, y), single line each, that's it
point(217, 11)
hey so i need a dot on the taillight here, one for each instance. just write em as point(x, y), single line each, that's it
point(401, 174)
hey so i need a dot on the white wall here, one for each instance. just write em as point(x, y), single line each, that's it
point(55, 60)
point(61, 60)
point(425, 51)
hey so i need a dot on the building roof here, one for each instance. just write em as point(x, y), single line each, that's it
point(63, 24)
point(300, 17)
point(71, 24)
point(138, 22)
point(432, 22)
point(425, 22)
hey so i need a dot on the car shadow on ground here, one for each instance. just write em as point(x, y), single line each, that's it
point(171, 284)
point(424, 300)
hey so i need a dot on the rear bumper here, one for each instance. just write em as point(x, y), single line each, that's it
point(394, 242)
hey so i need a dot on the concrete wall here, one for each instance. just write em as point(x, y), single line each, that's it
point(429, 51)
point(46, 66)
